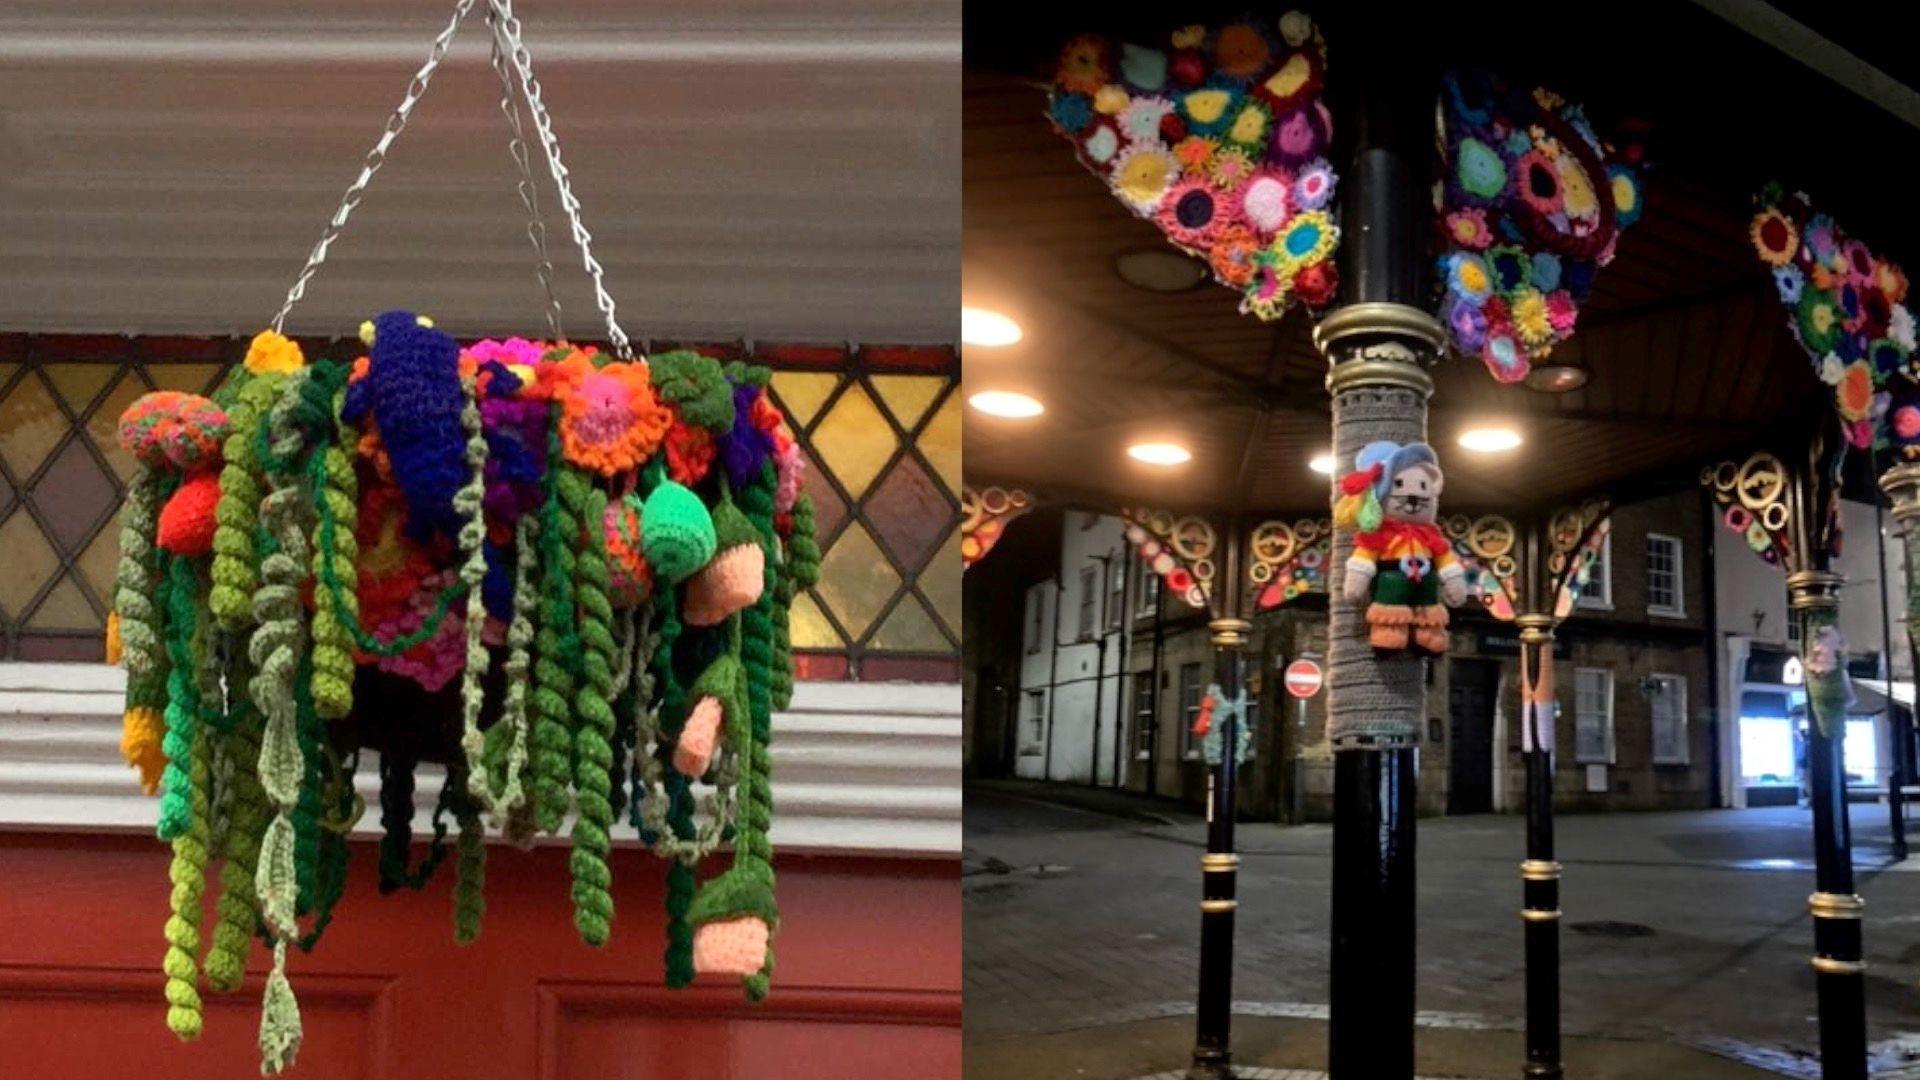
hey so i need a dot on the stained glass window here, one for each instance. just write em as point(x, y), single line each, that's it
point(880, 425)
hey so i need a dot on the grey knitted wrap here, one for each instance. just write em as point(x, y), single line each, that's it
point(1369, 700)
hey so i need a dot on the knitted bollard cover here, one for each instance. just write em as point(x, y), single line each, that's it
point(527, 562)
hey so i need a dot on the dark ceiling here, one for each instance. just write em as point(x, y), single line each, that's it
point(1688, 348)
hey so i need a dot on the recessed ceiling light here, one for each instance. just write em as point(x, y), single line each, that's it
point(978, 326)
point(1556, 378)
point(1007, 403)
point(1489, 440)
point(1160, 453)
point(1159, 269)
point(1322, 464)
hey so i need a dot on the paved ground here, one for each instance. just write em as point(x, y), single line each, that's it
point(1685, 948)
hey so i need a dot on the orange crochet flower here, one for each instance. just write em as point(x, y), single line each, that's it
point(611, 420)
point(689, 453)
point(1855, 392)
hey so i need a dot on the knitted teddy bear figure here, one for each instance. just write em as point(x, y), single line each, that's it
point(1400, 560)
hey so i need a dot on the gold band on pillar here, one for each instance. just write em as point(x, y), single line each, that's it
point(1808, 589)
point(1902, 485)
point(1532, 915)
point(1536, 628)
point(1390, 360)
point(1539, 870)
point(1212, 907)
point(1827, 965)
point(1229, 632)
point(1214, 862)
point(1826, 905)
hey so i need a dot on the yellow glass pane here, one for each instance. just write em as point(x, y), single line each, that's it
point(941, 442)
point(104, 425)
point(908, 396)
point(807, 628)
point(193, 378)
point(854, 441)
point(855, 579)
point(78, 383)
point(910, 629)
point(940, 580)
point(100, 561)
point(30, 424)
point(803, 391)
point(29, 561)
point(6, 372)
point(65, 608)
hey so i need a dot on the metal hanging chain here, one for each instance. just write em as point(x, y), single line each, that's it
point(529, 193)
point(508, 29)
point(375, 158)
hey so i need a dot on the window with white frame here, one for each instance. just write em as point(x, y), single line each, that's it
point(1036, 618)
point(1598, 591)
point(1664, 595)
point(1035, 727)
point(1116, 591)
point(1148, 594)
point(1143, 716)
point(1593, 716)
point(1667, 701)
point(1089, 596)
point(1190, 691)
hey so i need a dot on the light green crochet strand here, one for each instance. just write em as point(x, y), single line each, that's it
point(468, 502)
point(235, 562)
point(136, 590)
point(247, 811)
point(593, 731)
point(333, 480)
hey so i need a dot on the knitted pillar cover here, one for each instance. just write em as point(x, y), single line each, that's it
point(1369, 697)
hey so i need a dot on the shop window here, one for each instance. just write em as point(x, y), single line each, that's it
point(1667, 703)
point(1593, 716)
point(880, 428)
point(1664, 590)
point(1190, 692)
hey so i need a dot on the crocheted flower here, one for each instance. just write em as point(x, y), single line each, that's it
point(1110, 99)
point(1313, 185)
point(169, 428)
point(1627, 198)
point(1301, 134)
point(1530, 318)
point(1504, 356)
point(1316, 283)
point(1577, 196)
point(1467, 228)
point(1190, 213)
point(434, 662)
point(1142, 68)
point(1086, 64)
point(1250, 127)
point(1234, 248)
point(1511, 268)
point(1854, 394)
point(1892, 280)
point(1071, 112)
point(1545, 271)
point(1297, 78)
point(1467, 276)
point(1465, 322)
point(689, 453)
point(271, 352)
point(1141, 175)
point(791, 466)
point(1561, 313)
point(1788, 281)
point(1818, 320)
point(1885, 356)
point(1231, 167)
point(612, 421)
point(1830, 369)
point(1900, 327)
point(1241, 50)
point(1140, 120)
point(1100, 143)
point(1539, 182)
point(1266, 201)
point(1195, 154)
point(1309, 237)
point(1859, 262)
point(1209, 109)
point(1905, 422)
point(1479, 169)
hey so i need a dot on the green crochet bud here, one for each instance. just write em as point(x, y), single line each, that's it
point(676, 532)
point(731, 528)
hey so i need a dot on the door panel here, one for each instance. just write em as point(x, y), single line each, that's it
point(1470, 700)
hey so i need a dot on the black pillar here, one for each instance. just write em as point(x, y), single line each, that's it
point(1370, 1030)
point(1220, 866)
point(1539, 873)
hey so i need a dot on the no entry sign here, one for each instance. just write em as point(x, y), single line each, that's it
point(1304, 678)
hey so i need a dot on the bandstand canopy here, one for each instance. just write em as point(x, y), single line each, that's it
point(1686, 343)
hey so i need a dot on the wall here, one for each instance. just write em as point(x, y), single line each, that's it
point(1078, 676)
point(994, 660)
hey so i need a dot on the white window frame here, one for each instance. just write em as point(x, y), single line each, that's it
point(1034, 705)
point(1144, 714)
point(1090, 586)
point(1147, 601)
point(1036, 618)
point(1117, 592)
point(1603, 599)
point(1189, 712)
point(1677, 609)
point(1679, 685)
point(1580, 718)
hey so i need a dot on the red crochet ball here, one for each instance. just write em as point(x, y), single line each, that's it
point(186, 522)
point(1188, 67)
point(1172, 128)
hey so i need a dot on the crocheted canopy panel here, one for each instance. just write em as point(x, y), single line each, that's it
point(562, 576)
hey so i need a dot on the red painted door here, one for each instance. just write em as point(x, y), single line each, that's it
point(867, 980)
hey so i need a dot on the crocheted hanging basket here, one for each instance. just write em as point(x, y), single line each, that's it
point(560, 573)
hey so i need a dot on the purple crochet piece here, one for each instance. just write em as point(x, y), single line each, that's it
point(745, 449)
point(413, 386)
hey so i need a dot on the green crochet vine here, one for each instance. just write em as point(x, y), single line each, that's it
point(188, 790)
point(583, 507)
point(235, 556)
point(557, 645)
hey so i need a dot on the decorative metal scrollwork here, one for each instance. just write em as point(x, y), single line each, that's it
point(1288, 560)
point(1576, 537)
point(1753, 497)
point(1485, 546)
point(985, 513)
point(1179, 550)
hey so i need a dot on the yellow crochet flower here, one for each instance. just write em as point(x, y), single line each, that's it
point(1530, 319)
point(1576, 188)
point(1189, 37)
point(1110, 99)
point(1472, 275)
point(1143, 174)
point(270, 352)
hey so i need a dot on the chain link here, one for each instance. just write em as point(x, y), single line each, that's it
point(375, 158)
point(529, 193)
point(508, 29)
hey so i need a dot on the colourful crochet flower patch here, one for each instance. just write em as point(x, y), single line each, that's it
point(1847, 307)
point(169, 428)
point(612, 421)
point(1221, 142)
point(1532, 202)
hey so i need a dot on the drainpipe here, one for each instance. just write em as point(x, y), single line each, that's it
point(1896, 774)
